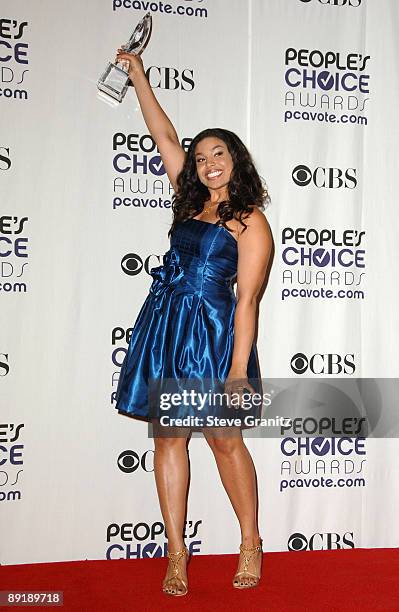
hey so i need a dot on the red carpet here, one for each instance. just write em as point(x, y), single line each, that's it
point(345, 580)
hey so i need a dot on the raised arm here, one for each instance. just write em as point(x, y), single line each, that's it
point(158, 123)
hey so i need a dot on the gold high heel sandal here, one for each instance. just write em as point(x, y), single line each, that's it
point(238, 579)
point(181, 587)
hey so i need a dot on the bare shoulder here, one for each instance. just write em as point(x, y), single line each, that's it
point(256, 223)
point(255, 245)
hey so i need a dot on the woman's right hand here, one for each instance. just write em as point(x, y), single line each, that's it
point(132, 62)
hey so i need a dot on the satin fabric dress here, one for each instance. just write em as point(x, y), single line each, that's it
point(185, 328)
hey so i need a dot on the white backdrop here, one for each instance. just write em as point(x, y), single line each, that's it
point(76, 477)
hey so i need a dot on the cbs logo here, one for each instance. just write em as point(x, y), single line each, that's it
point(129, 461)
point(320, 541)
point(330, 178)
point(330, 363)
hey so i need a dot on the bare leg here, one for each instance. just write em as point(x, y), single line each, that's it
point(238, 476)
point(171, 477)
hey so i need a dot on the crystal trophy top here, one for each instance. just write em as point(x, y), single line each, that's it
point(115, 79)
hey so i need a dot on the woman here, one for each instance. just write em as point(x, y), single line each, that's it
point(192, 326)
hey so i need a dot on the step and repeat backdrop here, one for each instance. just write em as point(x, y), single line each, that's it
point(312, 88)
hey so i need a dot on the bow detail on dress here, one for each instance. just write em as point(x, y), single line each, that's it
point(168, 274)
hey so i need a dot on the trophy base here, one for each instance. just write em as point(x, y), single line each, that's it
point(107, 99)
point(114, 82)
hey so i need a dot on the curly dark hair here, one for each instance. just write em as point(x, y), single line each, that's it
point(245, 189)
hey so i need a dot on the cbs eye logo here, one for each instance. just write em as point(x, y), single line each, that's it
point(297, 541)
point(132, 264)
point(301, 175)
point(299, 363)
point(129, 461)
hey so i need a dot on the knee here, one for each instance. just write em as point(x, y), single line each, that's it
point(224, 446)
point(164, 444)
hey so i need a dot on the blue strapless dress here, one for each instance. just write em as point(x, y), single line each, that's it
point(185, 328)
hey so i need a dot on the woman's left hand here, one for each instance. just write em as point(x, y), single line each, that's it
point(236, 386)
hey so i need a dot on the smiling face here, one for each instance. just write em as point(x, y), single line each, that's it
point(214, 163)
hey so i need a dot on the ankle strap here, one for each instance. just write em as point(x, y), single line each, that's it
point(183, 551)
point(257, 548)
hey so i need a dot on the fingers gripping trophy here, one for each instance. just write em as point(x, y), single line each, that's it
point(115, 80)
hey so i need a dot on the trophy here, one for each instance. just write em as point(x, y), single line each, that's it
point(115, 79)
